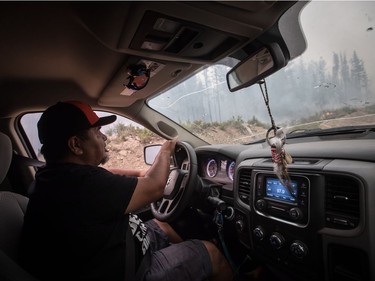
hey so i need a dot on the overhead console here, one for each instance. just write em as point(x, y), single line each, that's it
point(173, 38)
point(170, 36)
point(184, 30)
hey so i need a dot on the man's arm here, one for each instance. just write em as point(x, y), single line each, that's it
point(128, 172)
point(151, 187)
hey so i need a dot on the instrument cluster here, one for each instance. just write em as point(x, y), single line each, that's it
point(220, 169)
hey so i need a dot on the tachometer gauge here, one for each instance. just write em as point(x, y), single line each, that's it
point(230, 171)
point(211, 169)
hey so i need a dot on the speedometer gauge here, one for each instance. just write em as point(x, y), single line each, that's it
point(211, 169)
point(230, 171)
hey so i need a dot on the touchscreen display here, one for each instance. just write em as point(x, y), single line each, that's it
point(275, 190)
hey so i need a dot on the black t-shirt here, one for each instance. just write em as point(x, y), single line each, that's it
point(75, 226)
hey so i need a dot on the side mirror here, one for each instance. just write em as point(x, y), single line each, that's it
point(257, 66)
point(150, 152)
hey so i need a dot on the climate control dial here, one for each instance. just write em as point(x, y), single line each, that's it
point(299, 249)
point(277, 241)
point(259, 233)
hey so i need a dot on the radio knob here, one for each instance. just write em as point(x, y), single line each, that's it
point(259, 233)
point(295, 213)
point(277, 241)
point(299, 249)
point(261, 204)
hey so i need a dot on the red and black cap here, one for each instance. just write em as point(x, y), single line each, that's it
point(64, 119)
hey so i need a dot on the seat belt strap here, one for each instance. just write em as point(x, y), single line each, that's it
point(142, 269)
point(28, 161)
point(131, 273)
point(129, 256)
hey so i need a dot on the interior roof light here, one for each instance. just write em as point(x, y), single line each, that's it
point(166, 25)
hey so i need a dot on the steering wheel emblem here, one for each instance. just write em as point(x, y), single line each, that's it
point(168, 182)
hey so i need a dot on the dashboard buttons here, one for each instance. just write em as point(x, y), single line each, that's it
point(259, 233)
point(240, 225)
point(298, 249)
point(228, 213)
point(261, 204)
point(295, 213)
point(277, 241)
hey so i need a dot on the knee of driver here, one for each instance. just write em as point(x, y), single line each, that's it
point(215, 254)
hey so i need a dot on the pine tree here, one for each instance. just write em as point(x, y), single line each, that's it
point(356, 68)
point(345, 78)
point(335, 69)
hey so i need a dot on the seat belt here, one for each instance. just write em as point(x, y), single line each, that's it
point(130, 273)
point(28, 161)
point(129, 256)
point(142, 269)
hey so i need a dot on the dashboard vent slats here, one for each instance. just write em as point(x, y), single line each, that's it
point(342, 202)
point(244, 185)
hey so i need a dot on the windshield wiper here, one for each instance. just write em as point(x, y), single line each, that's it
point(300, 133)
point(331, 131)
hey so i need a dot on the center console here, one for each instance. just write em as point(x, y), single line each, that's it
point(289, 204)
point(283, 224)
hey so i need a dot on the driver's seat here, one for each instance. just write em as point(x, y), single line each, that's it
point(12, 209)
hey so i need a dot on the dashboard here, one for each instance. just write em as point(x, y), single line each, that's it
point(323, 227)
point(217, 168)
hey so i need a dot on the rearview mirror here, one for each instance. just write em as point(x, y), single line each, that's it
point(150, 152)
point(257, 66)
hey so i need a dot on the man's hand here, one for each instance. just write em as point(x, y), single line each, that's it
point(168, 146)
point(151, 187)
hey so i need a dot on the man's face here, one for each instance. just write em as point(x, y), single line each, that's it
point(94, 151)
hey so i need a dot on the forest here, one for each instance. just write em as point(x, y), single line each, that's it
point(299, 92)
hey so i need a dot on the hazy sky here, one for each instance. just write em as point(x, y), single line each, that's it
point(341, 28)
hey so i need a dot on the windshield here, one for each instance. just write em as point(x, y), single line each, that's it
point(330, 86)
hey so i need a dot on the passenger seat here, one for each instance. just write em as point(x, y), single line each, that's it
point(12, 209)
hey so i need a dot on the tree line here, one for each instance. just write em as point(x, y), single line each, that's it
point(299, 91)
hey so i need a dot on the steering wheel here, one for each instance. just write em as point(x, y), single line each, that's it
point(180, 186)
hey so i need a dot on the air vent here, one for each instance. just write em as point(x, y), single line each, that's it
point(342, 202)
point(244, 185)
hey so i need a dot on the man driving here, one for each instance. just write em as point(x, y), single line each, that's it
point(79, 217)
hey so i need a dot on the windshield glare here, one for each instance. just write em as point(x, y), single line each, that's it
point(330, 86)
